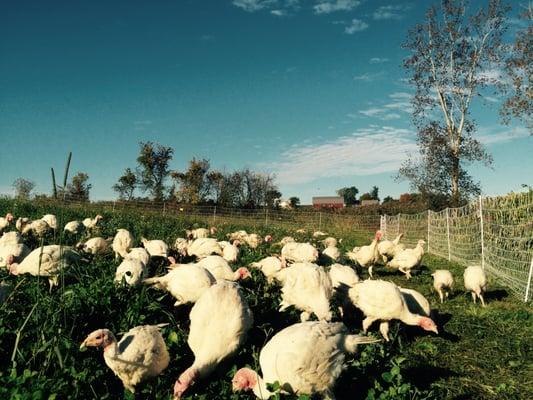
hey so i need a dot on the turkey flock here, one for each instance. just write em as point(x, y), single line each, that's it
point(305, 358)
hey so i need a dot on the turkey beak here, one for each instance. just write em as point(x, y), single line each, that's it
point(83, 345)
point(435, 330)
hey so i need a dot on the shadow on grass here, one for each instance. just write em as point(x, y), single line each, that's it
point(498, 294)
point(441, 320)
point(424, 375)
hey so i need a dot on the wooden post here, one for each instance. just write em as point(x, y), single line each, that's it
point(429, 224)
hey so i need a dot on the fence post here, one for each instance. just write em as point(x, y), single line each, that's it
point(164, 207)
point(529, 280)
point(266, 216)
point(482, 232)
point(320, 221)
point(429, 224)
point(214, 215)
point(448, 233)
point(398, 227)
point(114, 201)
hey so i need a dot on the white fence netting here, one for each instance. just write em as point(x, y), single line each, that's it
point(496, 233)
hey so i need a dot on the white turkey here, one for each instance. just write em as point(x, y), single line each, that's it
point(185, 282)
point(15, 251)
point(21, 223)
point(366, 256)
point(253, 240)
point(269, 266)
point(5, 221)
point(408, 259)
point(304, 358)
point(220, 320)
point(140, 254)
point(181, 245)
point(122, 243)
point(442, 282)
point(330, 242)
point(286, 239)
point(230, 251)
point(299, 252)
point(317, 234)
point(95, 246)
point(51, 220)
point(156, 248)
point(342, 275)
point(476, 282)
point(203, 247)
point(389, 248)
point(237, 235)
point(131, 270)
point(90, 223)
point(45, 261)
point(307, 287)
point(74, 227)
point(197, 233)
point(39, 228)
point(12, 237)
point(332, 252)
point(383, 301)
point(141, 353)
point(220, 269)
point(416, 302)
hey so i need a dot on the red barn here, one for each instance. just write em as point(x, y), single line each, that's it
point(328, 202)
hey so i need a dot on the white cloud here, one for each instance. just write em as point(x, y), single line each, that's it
point(329, 6)
point(355, 26)
point(368, 77)
point(499, 135)
point(390, 12)
point(367, 151)
point(279, 13)
point(378, 60)
point(400, 103)
point(254, 5)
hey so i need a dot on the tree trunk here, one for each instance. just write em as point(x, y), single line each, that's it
point(455, 200)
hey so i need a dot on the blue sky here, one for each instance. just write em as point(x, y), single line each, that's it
point(310, 90)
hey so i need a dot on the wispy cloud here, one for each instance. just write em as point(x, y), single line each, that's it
point(254, 5)
point(356, 25)
point(329, 6)
point(500, 134)
point(378, 60)
point(400, 102)
point(369, 76)
point(279, 8)
point(279, 13)
point(367, 151)
point(396, 11)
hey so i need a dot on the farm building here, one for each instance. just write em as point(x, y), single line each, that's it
point(328, 202)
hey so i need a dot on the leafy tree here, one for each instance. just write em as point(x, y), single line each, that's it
point(246, 188)
point(374, 193)
point(126, 185)
point(349, 194)
point(153, 168)
point(23, 188)
point(294, 201)
point(450, 54)
point(519, 67)
point(387, 199)
point(79, 189)
point(194, 185)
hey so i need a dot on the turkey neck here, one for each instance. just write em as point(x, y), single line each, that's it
point(111, 350)
point(260, 389)
point(409, 318)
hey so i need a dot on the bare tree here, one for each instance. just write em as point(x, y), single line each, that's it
point(153, 168)
point(519, 67)
point(194, 184)
point(126, 185)
point(451, 52)
point(23, 188)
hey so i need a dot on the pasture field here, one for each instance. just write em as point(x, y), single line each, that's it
point(480, 353)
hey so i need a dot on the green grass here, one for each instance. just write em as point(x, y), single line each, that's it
point(480, 353)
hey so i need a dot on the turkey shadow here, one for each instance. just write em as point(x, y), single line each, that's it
point(424, 375)
point(498, 294)
point(441, 320)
